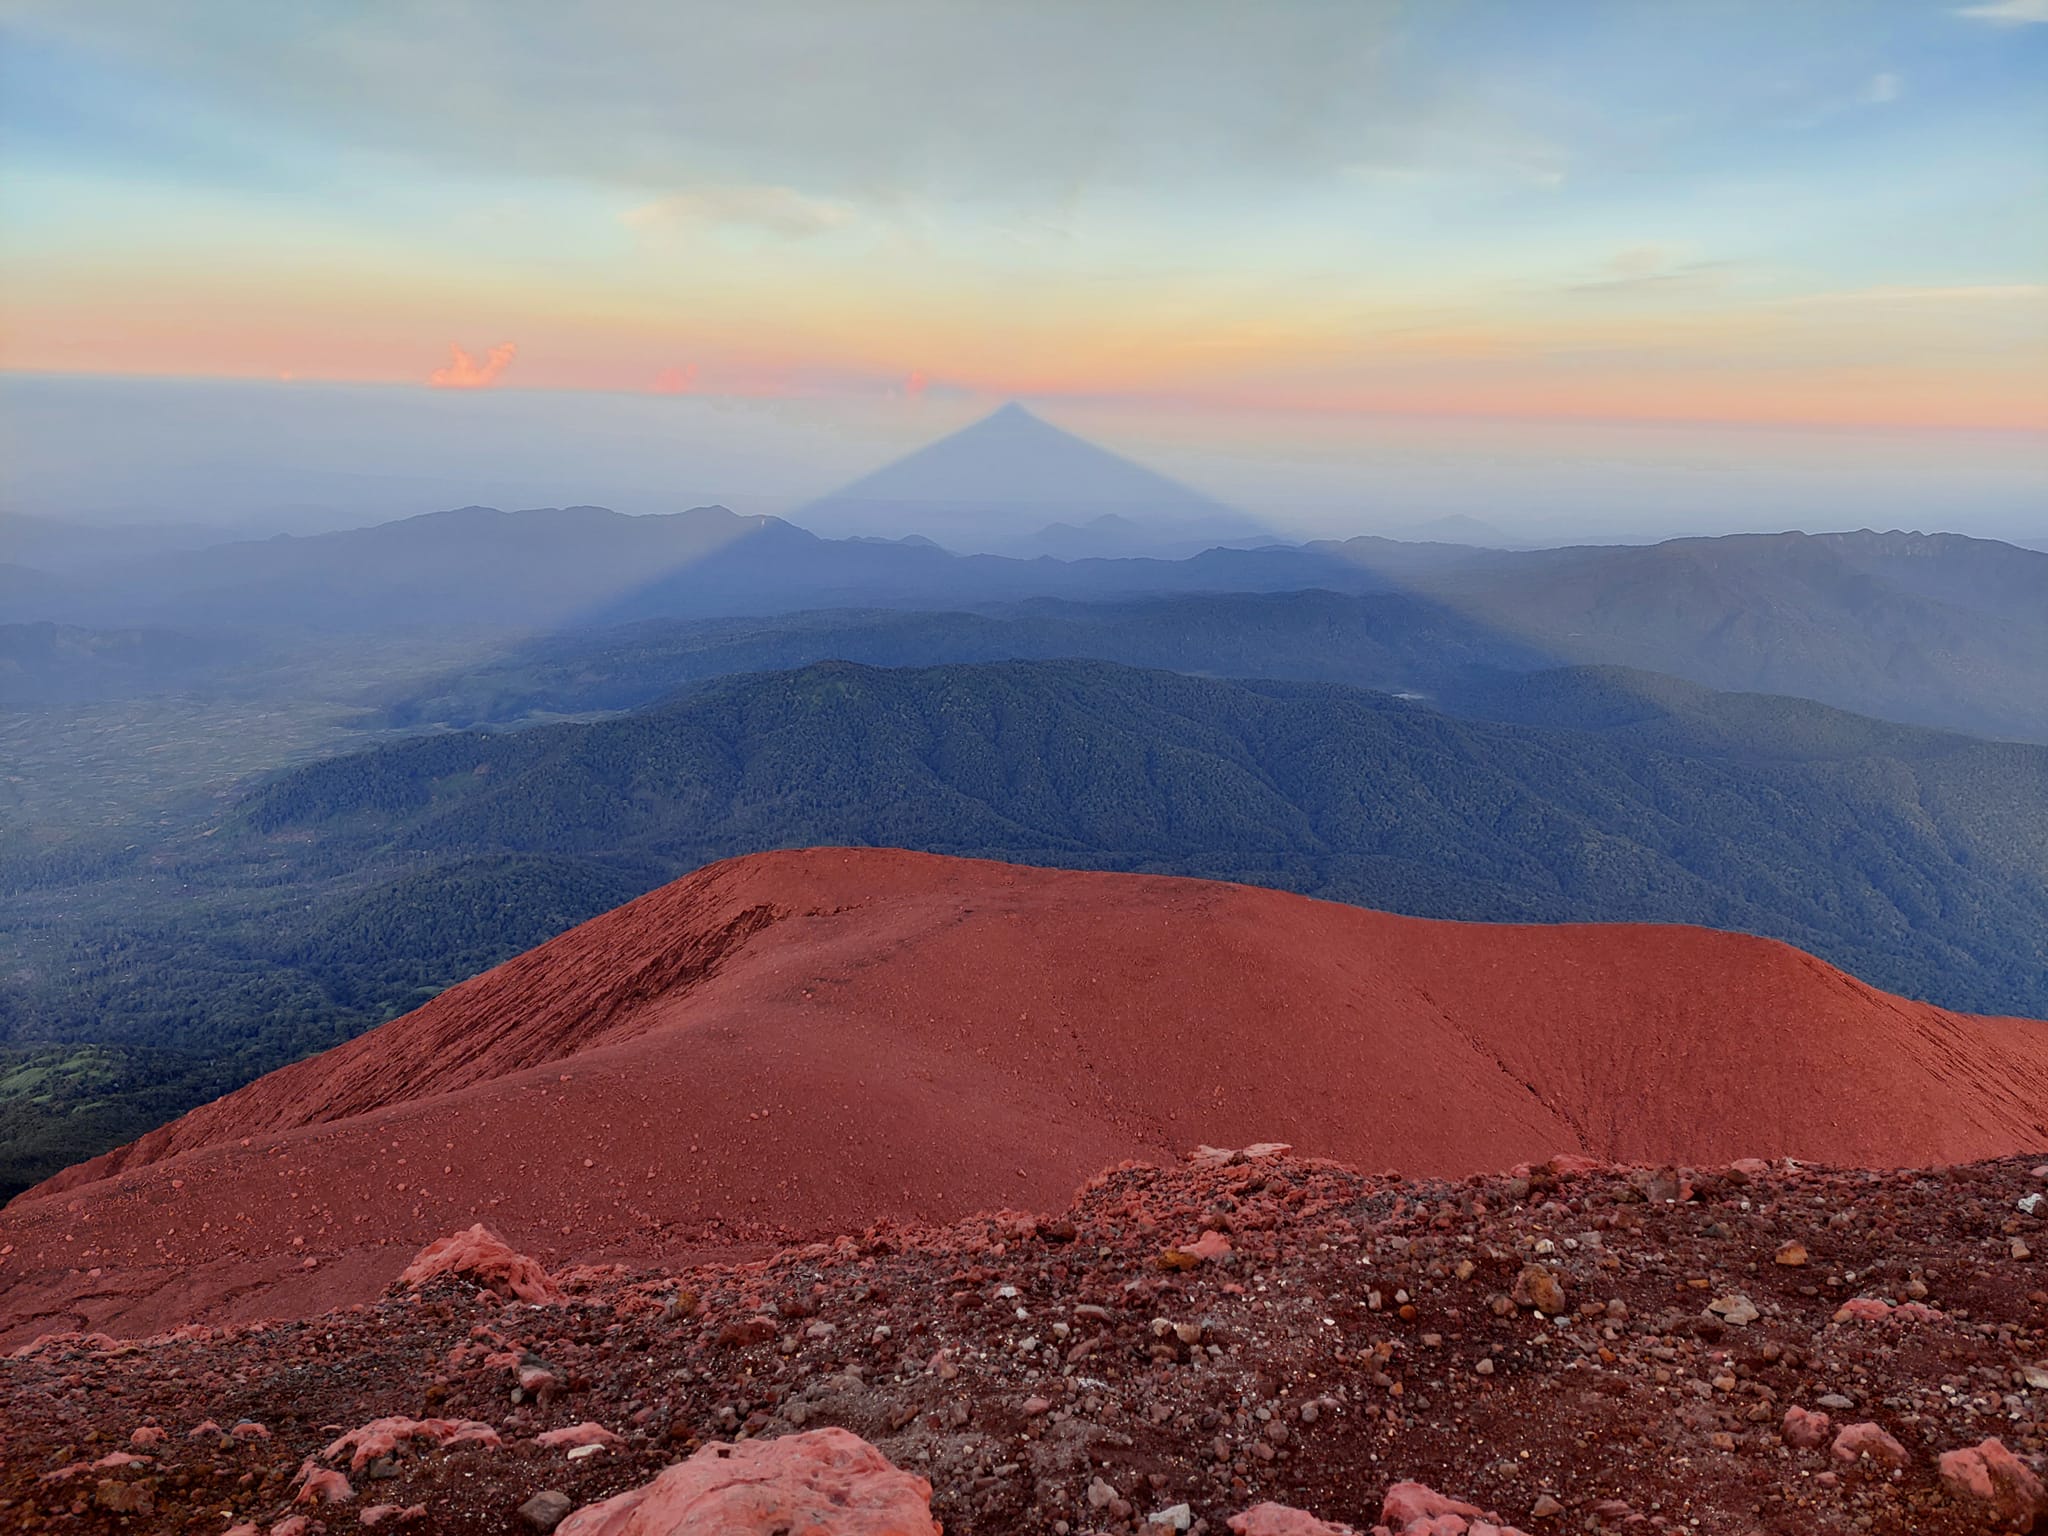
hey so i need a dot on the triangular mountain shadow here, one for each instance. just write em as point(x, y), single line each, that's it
point(998, 483)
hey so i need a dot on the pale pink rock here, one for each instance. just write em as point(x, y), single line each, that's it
point(1284, 1520)
point(1206, 1156)
point(148, 1434)
point(825, 1482)
point(381, 1437)
point(1575, 1162)
point(586, 1433)
point(1407, 1503)
point(1866, 1309)
point(1806, 1430)
point(322, 1486)
point(249, 1429)
point(2006, 1490)
point(1210, 1245)
point(292, 1525)
point(1415, 1509)
point(479, 1254)
point(1868, 1440)
point(377, 1514)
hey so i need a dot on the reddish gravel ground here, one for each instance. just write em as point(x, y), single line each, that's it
point(796, 1044)
point(1607, 1349)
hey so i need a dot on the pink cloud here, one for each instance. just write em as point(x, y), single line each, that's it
point(465, 372)
point(675, 381)
point(916, 384)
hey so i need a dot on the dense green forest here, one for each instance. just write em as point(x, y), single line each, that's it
point(341, 893)
point(1389, 641)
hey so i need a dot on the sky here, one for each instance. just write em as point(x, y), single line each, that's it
point(1274, 243)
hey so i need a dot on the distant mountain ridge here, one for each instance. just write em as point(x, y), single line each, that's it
point(1930, 629)
point(570, 567)
point(1933, 629)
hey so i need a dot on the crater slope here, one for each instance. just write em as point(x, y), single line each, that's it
point(798, 1044)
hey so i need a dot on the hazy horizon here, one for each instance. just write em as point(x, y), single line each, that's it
point(267, 457)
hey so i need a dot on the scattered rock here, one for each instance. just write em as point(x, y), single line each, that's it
point(546, 1509)
point(575, 1435)
point(824, 1480)
point(481, 1256)
point(2004, 1489)
point(319, 1485)
point(1804, 1430)
point(382, 1437)
point(1414, 1509)
point(1736, 1310)
point(1537, 1287)
point(1284, 1520)
point(1859, 1440)
point(1204, 1249)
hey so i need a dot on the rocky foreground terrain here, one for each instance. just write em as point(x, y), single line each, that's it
point(1571, 1348)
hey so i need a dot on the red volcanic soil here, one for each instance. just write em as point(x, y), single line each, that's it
point(798, 1044)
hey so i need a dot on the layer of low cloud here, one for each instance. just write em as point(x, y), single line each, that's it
point(781, 212)
point(2009, 13)
point(467, 372)
point(1641, 269)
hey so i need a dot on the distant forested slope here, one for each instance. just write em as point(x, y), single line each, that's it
point(346, 891)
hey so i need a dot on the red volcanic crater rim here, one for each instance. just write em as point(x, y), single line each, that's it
point(798, 1044)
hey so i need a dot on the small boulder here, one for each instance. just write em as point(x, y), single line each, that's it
point(383, 1437)
point(1415, 1509)
point(1804, 1430)
point(1537, 1287)
point(1859, 1440)
point(480, 1255)
point(574, 1435)
point(545, 1510)
point(1996, 1483)
point(1736, 1310)
point(1284, 1520)
point(321, 1486)
point(824, 1479)
point(1207, 1248)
